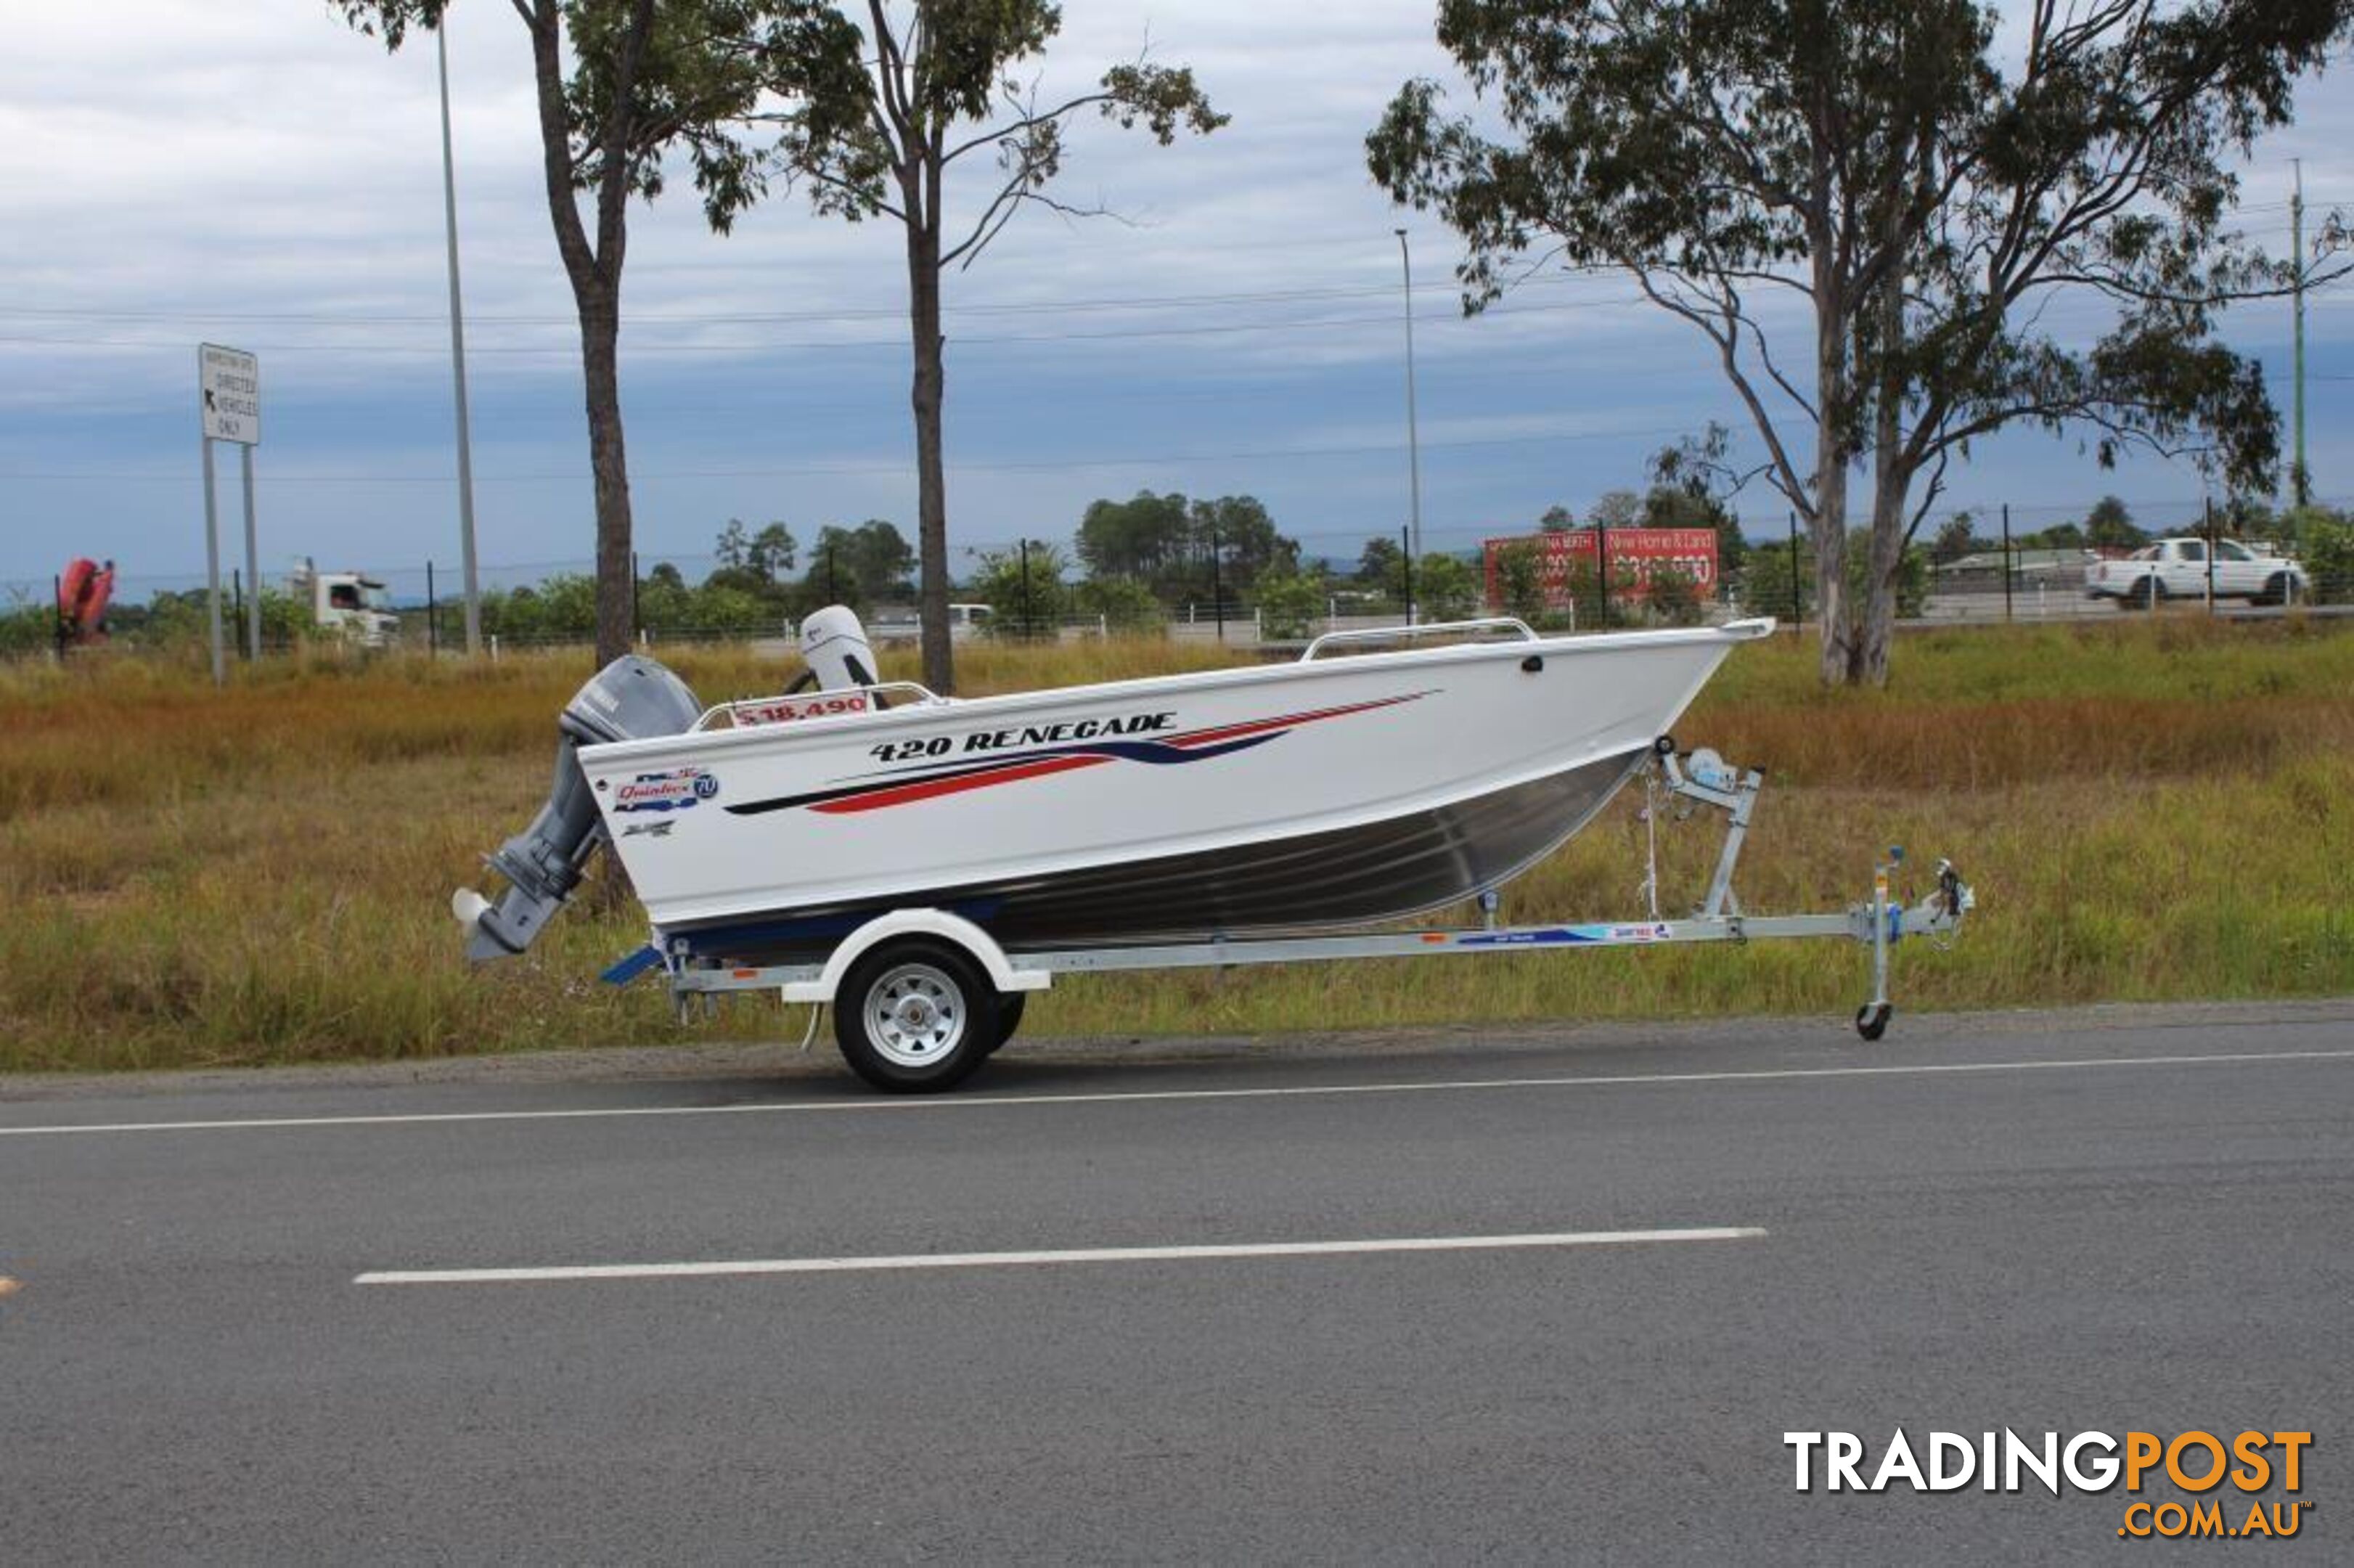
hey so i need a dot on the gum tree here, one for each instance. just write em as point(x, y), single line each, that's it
point(618, 84)
point(886, 110)
point(1868, 208)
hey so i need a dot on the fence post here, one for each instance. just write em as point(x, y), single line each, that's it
point(1406, 553)
point(1602, 568)
point(637, 620)
point(1029, 630)
point(1218, 582)
point(432, 619)
point(2211, 554)
point(1797, 605)
point(237, 603)
point(57, 613)
point(2006, 563)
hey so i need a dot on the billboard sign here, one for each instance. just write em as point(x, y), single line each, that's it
point(1566, 559)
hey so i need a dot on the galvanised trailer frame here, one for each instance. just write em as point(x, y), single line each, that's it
point(904, 1028)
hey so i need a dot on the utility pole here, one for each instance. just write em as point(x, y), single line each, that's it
point(2299, 480)
point(1413, 433)
point(457, 360)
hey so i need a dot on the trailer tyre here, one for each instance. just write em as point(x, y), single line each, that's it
point(1009, 1016)
point(1872, 1018)
point(915, 1016)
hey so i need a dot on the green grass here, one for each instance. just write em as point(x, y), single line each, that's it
point(2149, 810)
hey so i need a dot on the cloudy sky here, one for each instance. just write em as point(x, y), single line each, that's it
point(255, 173)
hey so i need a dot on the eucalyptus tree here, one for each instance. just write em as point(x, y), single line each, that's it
point(617, 85)
point(1905, 189)
point(881, 109)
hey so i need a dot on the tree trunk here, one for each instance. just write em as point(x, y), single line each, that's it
point(600, 332)
point(931, 474)
point(1893, 471)
point(1827, 521)
point(1891, 481)
point(1877, 634)
point(595, 274)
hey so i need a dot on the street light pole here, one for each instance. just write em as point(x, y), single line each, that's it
point(457, 359)
point(2299, 476)
point(1412, 434)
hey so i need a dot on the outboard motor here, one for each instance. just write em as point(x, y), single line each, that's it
point(629, 699)
point(834, 646)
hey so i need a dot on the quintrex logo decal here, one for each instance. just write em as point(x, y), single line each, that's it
point(1094, 742)
point(679, 790)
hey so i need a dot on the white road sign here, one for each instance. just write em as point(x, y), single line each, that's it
point(229, 382)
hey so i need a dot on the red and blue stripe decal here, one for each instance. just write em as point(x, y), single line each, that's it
point(955, 779)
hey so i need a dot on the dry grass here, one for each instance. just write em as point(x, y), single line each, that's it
point(2150, 811)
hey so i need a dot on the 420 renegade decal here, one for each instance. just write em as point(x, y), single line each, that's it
point(1096, 742)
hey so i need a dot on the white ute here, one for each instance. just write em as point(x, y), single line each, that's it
point(2179, 568)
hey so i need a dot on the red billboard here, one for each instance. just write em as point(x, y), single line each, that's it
point(1635, 554)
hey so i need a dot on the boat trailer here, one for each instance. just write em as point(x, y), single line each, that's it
point(909, 1015)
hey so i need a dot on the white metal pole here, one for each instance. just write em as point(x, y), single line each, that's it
point(1412, 434)
point(212, 568)
point(252, 561)
point(457, 360)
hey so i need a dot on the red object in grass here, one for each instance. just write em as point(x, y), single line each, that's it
point(82, 596)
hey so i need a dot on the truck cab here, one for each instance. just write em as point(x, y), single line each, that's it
point(348, 604)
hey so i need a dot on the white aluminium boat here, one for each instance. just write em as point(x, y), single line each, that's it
point(1346, 787)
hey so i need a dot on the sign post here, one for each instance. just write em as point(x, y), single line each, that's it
point(228, 391)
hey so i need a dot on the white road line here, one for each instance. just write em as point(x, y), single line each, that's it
point(990, 1102)
point(1013, 1259)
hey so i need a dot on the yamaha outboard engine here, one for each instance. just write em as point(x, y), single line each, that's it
point(630, 698)
point(834, 646)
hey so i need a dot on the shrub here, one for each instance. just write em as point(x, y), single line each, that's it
point(1126, 604)
point(1288, 604)
point(2327, 540)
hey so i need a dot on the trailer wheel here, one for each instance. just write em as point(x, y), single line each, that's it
point(1009, 1017)
point(916, 1016)
point(1872, 1018)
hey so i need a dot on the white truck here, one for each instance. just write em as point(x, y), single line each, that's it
point(2180, 569)
point(896, 624)
point(348, 604)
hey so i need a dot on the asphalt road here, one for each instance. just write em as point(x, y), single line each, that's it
point(2068, 1223)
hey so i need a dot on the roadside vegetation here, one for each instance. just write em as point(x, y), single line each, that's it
point(2150, 808)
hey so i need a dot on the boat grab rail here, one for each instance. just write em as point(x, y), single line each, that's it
point(920, 696)
point(1385, 633)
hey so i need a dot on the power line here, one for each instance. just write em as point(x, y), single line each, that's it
point(1122, 335)
point(1038, 307)
point(805, 470)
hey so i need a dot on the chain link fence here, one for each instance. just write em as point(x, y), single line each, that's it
point(1332, 582)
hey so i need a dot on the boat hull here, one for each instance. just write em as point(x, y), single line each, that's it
point(1390, 869)
point(1327, 793)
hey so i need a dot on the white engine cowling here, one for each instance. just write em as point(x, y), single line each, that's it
point(834, 646)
